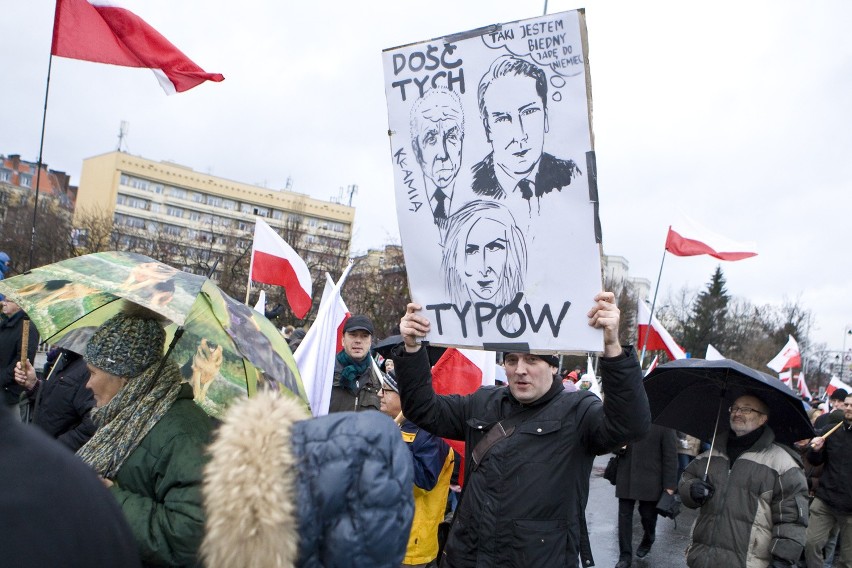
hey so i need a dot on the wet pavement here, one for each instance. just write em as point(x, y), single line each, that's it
point(602, 519)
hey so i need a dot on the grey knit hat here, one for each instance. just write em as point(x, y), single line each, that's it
point(125, 345)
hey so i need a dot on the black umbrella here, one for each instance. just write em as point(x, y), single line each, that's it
point(693, 396)
point(384, 347)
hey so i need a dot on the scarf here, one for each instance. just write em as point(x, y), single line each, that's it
point(738, 445)
point(125, 420)
point(352, 369)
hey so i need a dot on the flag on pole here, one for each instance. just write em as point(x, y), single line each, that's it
point(103, 31)
point(787, 378)
point(652, 366)
point(275, 262)
point(713, 354)
point(804, 391)
point(835, 384)
point(315, 356)
point(658, 337)
point(788, 357)
point(462, 371)
point(688, 238)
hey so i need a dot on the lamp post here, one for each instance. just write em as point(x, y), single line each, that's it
point(846, 333)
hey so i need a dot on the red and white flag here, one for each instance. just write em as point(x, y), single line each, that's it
point(804, 391)
point(315, 356)
point(788, 357)
point(652, 366)
point(688, 238)
point(462, 371)
point(275, 262)
point(658, 337)
point(835, 384)
point(105, 32)
point(787, 378)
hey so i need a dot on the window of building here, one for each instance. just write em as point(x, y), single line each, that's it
point(157, 187)
point(312, 222)
point(242, 226)
point(174, 211)
point(229, 204)
point(214, 201)
point(277, 214)
point(196, 197)
point(178, 192)
point(194, 216)
point(245, 207)
point(25, 180)
point(172, 230)
point(154, 207)
point(125, 179)
point(261, 211)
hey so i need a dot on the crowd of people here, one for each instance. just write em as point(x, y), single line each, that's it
point(156, 482)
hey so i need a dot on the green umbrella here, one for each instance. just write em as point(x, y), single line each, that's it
point(225, 351)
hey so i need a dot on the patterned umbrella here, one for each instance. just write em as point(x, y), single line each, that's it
point(226, 348)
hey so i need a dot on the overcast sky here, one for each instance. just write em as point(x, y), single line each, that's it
point(738, 113)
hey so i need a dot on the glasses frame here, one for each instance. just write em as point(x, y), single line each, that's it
point(744, 410)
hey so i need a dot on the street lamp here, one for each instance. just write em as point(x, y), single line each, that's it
point(846, 333)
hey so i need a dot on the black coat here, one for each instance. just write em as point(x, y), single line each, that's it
point(648, 466)
point(55, 510)
point(834, 487)
point(64, 402)
point(10, 354)
point(521, 507)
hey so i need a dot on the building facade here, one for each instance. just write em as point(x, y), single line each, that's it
point(199, 216)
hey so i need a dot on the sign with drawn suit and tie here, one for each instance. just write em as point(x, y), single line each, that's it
point(495, 183)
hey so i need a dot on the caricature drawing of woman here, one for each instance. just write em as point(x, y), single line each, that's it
point(485, 255)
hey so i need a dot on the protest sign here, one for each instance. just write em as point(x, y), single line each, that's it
point(495, 183)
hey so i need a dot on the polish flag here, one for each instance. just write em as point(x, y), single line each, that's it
point(315, 356)
point(275, 262)
point(788, 357)
point(835, 384)
point(713, 354)
point(652, 366)
point(105, 32)
point(658, 338)
point(804, 391)
point(462, 371)
point(689, 238)
point(260, 306)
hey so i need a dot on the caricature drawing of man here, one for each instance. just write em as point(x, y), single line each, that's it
point(513, 106)
point(437, 133)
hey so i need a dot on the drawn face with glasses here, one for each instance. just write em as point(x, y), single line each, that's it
point(748, 413)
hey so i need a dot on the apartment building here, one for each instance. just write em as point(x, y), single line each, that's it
point(200, 214)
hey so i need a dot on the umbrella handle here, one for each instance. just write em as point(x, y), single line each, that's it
point(25, 343)
point(713, 441)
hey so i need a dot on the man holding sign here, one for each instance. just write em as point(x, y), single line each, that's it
point(532, 444)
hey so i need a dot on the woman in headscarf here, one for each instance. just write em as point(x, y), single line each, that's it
point(150, 439)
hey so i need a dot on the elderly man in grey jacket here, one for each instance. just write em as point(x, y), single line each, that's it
point(754, 502)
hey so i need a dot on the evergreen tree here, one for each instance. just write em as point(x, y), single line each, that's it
point(708, 319)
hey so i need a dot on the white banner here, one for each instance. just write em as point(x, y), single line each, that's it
point(496, 184)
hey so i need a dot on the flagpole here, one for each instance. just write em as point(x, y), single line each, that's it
point(38, 170)
point(653, 304)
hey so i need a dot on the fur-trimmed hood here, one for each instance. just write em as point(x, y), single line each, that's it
point(283, 490)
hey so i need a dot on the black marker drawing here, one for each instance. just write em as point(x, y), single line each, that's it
point(485, 255)
point(437, 135)
point(512, 99)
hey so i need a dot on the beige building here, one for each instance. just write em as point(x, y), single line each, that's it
point(616, 270)
point(151, 200)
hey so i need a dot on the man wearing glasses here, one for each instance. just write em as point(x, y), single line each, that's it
point(753, 500)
